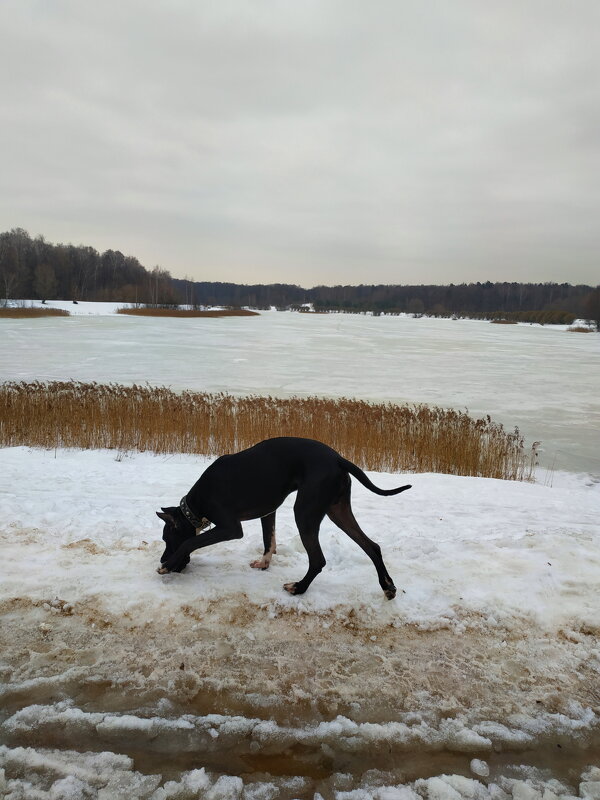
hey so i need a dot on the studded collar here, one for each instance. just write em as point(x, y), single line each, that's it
point(199, 523)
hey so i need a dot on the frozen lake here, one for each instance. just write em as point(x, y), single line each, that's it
point(541, 379)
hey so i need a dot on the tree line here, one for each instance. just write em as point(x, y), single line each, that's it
point(34, 268)
point(551, 302)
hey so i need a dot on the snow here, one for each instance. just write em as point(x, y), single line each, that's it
point(81, 308)
point(479, 767)
point(84, 308)
point(498, 601)
point(466, 552)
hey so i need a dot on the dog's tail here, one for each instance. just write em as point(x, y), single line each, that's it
point(360, 475)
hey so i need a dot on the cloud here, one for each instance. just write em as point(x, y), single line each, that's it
point(316, 142)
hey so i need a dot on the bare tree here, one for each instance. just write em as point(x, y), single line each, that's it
point(9, 270)
point(45, 281)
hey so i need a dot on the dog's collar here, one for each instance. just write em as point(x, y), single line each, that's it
point(199, 523)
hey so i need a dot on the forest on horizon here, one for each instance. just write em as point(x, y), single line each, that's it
point(32, 268)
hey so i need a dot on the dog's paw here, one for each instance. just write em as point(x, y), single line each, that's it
point(163, 570)
point(390, 592)
point(260, 563)
point(290, 587)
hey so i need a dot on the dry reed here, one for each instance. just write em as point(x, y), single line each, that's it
point(29, 313)
point(183, 312)
point(377, 436)
point(579, 329)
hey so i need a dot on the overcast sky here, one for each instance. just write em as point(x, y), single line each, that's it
point(308, 141)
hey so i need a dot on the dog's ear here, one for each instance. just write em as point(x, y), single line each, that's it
point(166, 517)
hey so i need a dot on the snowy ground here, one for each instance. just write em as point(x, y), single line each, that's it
point(84, 308)
point(481, 679)
point(81, 308)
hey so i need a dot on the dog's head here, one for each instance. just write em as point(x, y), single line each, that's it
point(177, 529)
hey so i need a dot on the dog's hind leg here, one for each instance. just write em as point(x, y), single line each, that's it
point(268, 529)
point(341, 514)
point(308, 520)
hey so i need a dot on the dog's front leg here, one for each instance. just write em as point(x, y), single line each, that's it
point(268, 529)
point(221, 533)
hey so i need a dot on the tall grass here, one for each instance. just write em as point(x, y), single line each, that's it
point(184, 312)
point(376, 436)
point(18, 313)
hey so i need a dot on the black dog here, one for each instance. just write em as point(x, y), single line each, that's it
point(253, 484)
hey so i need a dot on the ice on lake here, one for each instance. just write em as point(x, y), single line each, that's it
point(542, 380)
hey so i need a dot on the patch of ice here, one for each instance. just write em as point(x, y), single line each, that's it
point(479, 767)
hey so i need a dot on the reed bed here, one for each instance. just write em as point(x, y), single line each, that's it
point(183, 312)
point(29, 313)
point(376, 436)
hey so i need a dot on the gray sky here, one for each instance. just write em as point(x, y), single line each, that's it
point(308, 141)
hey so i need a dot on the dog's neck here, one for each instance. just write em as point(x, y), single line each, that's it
point(200, 523)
